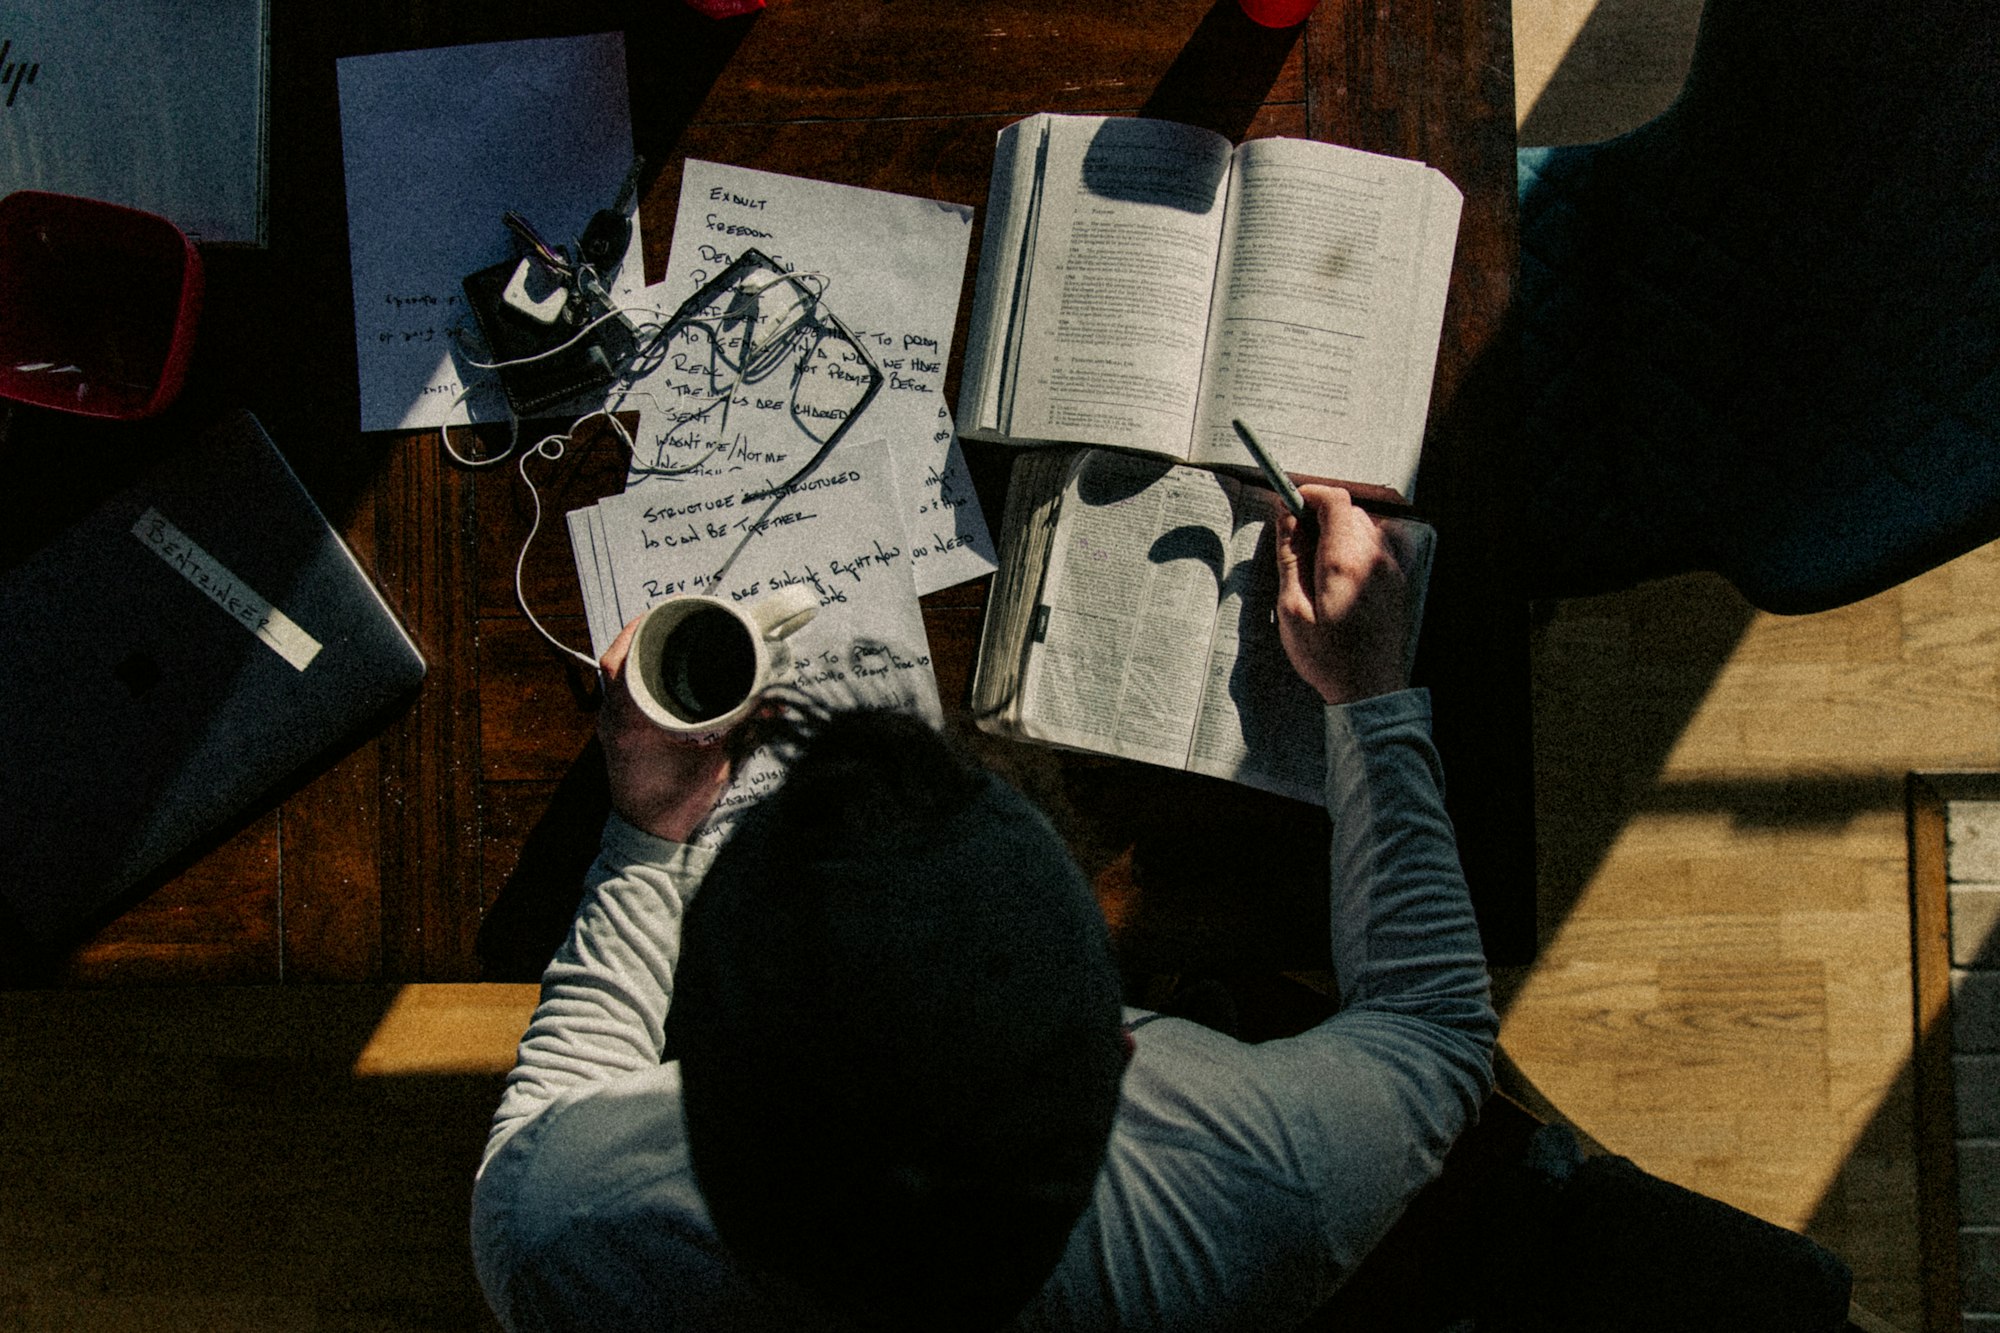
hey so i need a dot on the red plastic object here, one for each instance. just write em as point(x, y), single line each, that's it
point(1278, 13)
point(100, 303)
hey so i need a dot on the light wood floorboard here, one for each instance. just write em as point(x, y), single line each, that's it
point(1724, 988)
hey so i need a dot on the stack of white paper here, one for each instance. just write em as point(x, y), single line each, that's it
point(891, 266)
point(888, 515)
point(438, 143)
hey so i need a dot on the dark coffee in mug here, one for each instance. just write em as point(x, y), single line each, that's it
point(708, 664)
point(698, 664)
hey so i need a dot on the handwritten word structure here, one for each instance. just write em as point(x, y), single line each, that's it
point(833, 534)
point(893, 266)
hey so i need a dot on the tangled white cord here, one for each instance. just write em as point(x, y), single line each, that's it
point(641, 329)
point(552, 447)
point(758, 356)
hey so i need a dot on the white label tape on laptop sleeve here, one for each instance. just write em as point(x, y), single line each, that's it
point(278, 630)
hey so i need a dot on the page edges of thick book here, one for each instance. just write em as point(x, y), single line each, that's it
point(990, 336)
point(1425, 330)
point(1029, 177)
point(1030, 514)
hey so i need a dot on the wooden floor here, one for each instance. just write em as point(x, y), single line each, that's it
point(1723, 993)
point(1724, 988)
point(292, 1159)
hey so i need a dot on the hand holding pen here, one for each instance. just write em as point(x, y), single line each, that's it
point(1342, 611)
point(1280, 483)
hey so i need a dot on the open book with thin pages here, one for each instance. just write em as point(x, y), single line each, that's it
point(1135, 615)
point(1143, 283)
point(167, 662)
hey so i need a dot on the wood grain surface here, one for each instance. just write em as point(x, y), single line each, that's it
point(448, 844)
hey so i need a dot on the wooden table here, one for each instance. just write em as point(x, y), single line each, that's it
point(450, 846)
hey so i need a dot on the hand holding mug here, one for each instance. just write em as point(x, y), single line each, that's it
point(671, 698)
point(699, 664)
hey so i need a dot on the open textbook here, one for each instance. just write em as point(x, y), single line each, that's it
point(1133, 615)
point(1142, 282)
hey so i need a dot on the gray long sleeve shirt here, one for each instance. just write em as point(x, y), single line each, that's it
point(1243, 1183)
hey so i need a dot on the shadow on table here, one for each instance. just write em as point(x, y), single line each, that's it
point(212, 1157)
point(531, 914)
point(1221, 77)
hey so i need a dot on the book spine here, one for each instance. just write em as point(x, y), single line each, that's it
point(1024, 250)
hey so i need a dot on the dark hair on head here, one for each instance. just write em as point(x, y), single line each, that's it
point(882, 766)
point(900, 1031)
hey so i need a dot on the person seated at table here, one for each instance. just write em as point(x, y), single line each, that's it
point(899, 1090)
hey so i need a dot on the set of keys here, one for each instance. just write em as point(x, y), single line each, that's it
point(573, 290)
point(547, 317)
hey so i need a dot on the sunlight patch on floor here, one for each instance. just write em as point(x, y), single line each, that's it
point(448, 1029)
point(1543, 35)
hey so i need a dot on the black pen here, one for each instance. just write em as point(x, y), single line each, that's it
point(1281, 483)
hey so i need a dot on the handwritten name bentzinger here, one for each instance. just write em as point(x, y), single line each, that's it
point(193, 565)
point(210, 576)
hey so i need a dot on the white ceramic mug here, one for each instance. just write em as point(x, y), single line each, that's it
point(698, 664)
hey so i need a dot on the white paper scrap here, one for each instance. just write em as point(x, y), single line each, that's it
point(839, 534)
point(893, 266)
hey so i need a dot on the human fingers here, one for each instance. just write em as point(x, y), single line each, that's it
point(618, 714)
point(612, 664)
point(1293, 557)
point(1330, 506)
point(1348, 548)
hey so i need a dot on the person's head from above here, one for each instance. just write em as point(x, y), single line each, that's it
point(900, 1032)
point(896, 1009)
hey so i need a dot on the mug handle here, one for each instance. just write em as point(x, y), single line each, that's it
point(784, 612)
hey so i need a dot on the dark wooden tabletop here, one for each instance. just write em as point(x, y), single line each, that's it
point(449, 844)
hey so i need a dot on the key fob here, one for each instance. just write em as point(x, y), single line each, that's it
point(604, 239)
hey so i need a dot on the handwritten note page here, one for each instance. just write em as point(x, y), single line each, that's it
point(600, 595)
point(894, 266)
point(867, 642)
point(437, 145)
